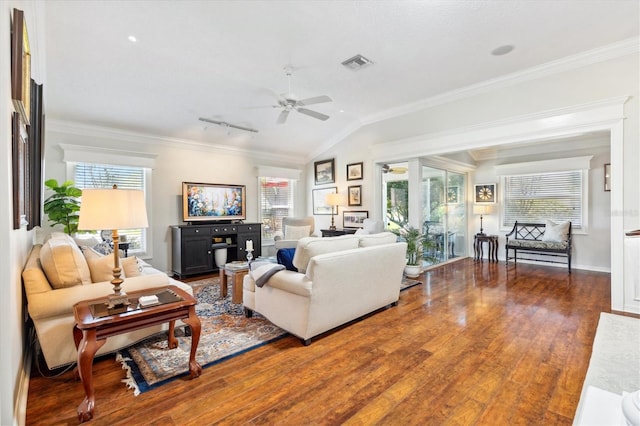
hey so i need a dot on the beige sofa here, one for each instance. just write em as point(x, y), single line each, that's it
point(339, 279)
point(57, 275)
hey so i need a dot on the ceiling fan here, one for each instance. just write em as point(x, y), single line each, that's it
point(395, 170)
point(227, 125)
point(289, 102)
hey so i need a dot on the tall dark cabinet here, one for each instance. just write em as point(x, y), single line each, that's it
point(192, 246)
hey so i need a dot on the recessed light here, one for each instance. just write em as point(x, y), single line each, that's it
point(132, 39)
point(502, 50)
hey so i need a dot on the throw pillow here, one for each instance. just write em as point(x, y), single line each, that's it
point(312, 246)
point(296, 232)
point(378, 239)
point(102, 269)
point(555, 232)
point(285, 258)
point(103, 248)
point(131, 266)
point(63, 263)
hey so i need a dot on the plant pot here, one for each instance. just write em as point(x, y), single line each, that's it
point(412, 271)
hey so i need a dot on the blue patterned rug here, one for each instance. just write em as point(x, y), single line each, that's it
point(225, 333)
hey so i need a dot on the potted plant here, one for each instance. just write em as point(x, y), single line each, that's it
point(415, 248)
point(63, 206)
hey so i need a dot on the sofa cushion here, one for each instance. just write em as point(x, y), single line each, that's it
point(368, 240)
point(311, 246)
point(555, 232)
point(63, 263)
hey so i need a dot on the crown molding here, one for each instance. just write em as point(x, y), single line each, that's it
point(93, 131)
point(601, 54)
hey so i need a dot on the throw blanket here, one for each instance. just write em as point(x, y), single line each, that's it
point(262, 271)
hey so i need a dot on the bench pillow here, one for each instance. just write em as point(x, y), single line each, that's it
point(556, 232)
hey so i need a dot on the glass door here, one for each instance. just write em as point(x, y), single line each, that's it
point(444, 214)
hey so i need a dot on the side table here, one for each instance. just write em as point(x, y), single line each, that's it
point(337, 232)
point(237, 275)
point(94, 325)
point(492, 243)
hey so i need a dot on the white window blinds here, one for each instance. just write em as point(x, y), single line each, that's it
point(91, 175)
point(534, 198)
point(276, 203)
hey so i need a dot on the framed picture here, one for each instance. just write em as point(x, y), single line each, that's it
point(18, 161)
point(453, 194)
point(324, 171)
point(485, 193)
point(607, 177)
point(20, 66)
point(354, 219)
point(319, 205)
point(354, 171)
point(355, 195)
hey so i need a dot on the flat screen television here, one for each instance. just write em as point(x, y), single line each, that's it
point(212, 202)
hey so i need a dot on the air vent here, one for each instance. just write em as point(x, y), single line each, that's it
point(357, 62)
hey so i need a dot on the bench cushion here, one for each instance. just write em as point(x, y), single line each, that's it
point(538, 245)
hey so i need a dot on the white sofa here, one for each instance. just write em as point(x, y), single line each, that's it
point(339, 279)
point(57, 275)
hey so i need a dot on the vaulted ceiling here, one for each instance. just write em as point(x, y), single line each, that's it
point(224, 60)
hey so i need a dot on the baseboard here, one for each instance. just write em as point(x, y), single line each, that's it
point(562, 265)
point(20, 405)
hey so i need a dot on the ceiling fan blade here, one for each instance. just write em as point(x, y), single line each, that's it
point(313, 114)
point(208, 120)
point(283, 116)
point(315, 100)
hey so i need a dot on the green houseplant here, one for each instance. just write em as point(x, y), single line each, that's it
point(415, 248)
point(62, 207)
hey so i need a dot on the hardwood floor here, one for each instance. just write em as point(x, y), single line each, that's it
point(477, 343)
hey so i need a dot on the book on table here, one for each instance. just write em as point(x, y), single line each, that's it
point(237, 265)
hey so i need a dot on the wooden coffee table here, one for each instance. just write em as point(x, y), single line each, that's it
point(237, 275)
point(94, 326)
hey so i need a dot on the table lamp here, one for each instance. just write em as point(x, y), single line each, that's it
point(481, 209)
point(332, 200)
point(113, 209)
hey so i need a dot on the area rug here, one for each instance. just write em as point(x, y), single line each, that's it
point(225, 333)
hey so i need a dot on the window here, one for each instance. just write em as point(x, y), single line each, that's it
point(556, 196)
point(91, 175)
point(276, 202)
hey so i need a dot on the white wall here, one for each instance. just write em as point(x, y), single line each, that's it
point(174, 164)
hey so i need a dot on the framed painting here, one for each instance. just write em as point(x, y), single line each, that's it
point(324, 171)
point(354, 171)
point(18, 161)
point(355, 195)
point(319, 204)
point(20, 66)
point(354, 219)
point(485, 193)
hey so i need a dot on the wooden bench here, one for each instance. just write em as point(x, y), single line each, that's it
point(528, 239)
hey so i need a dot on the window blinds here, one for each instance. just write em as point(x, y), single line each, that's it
point(534, 198)
point(276, 203)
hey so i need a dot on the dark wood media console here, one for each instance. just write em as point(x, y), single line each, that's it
point(192, 246)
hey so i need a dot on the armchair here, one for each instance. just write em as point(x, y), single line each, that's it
point(293, 229)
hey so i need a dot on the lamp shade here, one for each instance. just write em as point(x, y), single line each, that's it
point(112, 209)
point(332, 199)
point(481, 209)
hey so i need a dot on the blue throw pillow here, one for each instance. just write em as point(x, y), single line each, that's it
point(285, 257)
